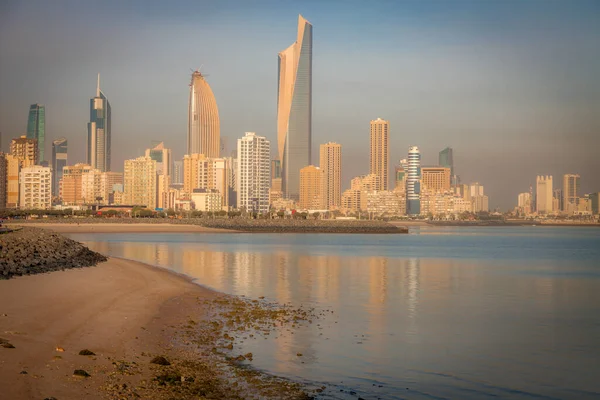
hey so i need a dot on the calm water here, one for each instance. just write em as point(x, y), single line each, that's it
point(442, 313)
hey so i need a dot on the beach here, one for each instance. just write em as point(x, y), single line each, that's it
point(116, 310)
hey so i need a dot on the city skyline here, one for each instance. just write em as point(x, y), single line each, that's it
point(556, 106)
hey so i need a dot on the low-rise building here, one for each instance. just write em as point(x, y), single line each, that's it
point(207, 200)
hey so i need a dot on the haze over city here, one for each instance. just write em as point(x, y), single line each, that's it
point(511, 86)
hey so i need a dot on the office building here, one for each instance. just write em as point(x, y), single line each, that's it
point(204, 134)
point(543, 194)
point(71, 183)
point(380, 151)
point(36, 128)
point(446, 159)
point(595, 203)
point(162, 156)
point(570, 192)
point(99, 132)
point(331, 165)
point(413, 188)
point(177, 175)
point(479, 201)
point(35, 188)
point(26, 150)
point(311, 187)
point(207, 200)
point(253, 173)
point(13, 169)
point(139, 182)
point(294, 109)
point(59, 161)
point(435, 179)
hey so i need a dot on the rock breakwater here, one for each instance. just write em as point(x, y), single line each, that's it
point(303, 226)
point(33, 251)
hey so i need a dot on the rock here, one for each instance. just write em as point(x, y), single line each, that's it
point(299, 354)
point(81, 373)
point(86, 352)
point(7, 345)
point(23, 372)
point(59, 349)
point(160, 360)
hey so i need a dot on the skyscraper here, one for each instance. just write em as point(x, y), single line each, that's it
point(294, 109)
point(543, 194)
point(204, 135)
point(177, 173)
point(99, 132)
point(59, 160)
point(446, 159)
point(413, 189)
point(570, 192)
point(380, 151)
point(36, 127)
point(253, 173)
point(162, 156)
point(311, 188)
point(331, 164)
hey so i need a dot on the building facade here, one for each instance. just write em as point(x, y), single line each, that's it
point(311, 187)
point(400, 178)
point(36, 128)
point(71, 184)
point(446, 159)
point(99, 132)
point(570, 192)
point(543, 194)
point(524, 203)
point(207, 200)
point(436, 179)
point(3, 180)
point(139, 182)
point(380, 151)
point(13, 169)
point(253, 173)
point(413, 188)
point(204, 129)
point(331, 165)
point(177, 175)
point(26, 150)
point(35, 188)
point(59, 161)
point(294, 109)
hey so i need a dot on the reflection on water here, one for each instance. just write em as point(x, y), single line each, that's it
point(418, 327)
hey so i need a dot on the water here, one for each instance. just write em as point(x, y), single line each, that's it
point(442, 313)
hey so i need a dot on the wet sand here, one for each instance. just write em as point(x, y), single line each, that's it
point(117, 310)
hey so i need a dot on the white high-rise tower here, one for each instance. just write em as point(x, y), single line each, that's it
point(413, 185)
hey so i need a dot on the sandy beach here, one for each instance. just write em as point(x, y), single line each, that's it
point(120, 228)
point(117, 310)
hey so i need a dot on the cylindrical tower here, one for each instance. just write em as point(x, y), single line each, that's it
point(413, 190)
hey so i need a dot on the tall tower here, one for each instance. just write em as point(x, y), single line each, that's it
point(543, 194)
point(253, 173)
point(331, 164)
point(36, 127)
point(446, 159)
point(311, 188)
point(413, 189)
point(570, 191)
point(204, 135)
point(59, 160)
point(294, 109)
point(99, 132)
point(380, 151)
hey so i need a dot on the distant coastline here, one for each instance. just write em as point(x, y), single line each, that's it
point(208, 225)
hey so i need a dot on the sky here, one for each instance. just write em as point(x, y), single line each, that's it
point(512, 86)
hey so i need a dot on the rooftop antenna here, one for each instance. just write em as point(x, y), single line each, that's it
point(98, 86)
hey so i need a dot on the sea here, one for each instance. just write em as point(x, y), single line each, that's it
point(440, 313)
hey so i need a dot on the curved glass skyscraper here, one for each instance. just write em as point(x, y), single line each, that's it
point(98, 149)
point(204, 135)
point(413, 182)
point(36, 128)
point(294, 109)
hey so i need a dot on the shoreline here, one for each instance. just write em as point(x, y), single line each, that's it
point(126, 312)
point(90, 227)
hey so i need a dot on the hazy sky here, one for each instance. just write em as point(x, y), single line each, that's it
point(512, 86)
